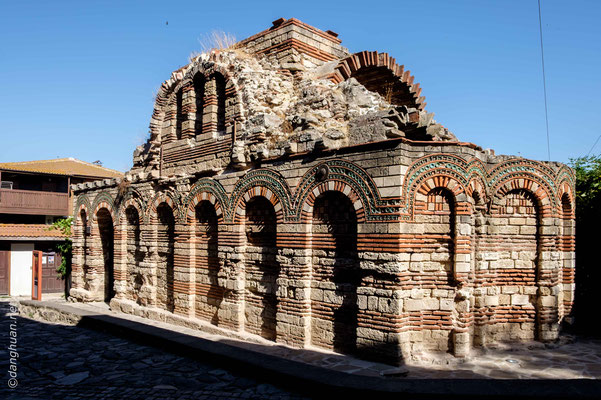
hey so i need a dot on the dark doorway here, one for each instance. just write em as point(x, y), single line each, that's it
point(166, 245)
point(134, 253)
point(105, 228)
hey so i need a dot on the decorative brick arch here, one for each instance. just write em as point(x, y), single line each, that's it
point(565, 190)
point(381, 68)
point(447, 171)
point(566, 187)
point(258, 191)
point(567, 246)
point(533, 176)
point(545, 201)
point(135, 203)
point(345, 177)
point(204, 189)
point(332, 186)
point(104, 200)
point(439, 179)
point(477, 186)
point(83, 203)
point(443, 181)
point(161, 197)
point(566, 182)
point(131, 197)
point(261, 182)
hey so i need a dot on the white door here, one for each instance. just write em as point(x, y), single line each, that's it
point(21, 255)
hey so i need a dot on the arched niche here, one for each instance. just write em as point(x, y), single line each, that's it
point(335, 273)
point(106, 231)
point(261, 268)
point(209, 294)
point(165, 239)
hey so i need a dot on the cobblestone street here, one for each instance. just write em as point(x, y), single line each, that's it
point(69, 362)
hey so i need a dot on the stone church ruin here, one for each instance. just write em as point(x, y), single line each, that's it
point(296, 192)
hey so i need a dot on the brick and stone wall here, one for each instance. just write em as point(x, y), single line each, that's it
point(379, 235)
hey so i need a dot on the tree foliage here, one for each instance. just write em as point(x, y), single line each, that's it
point(588, 185)
point(588, 224)
point(64, 248)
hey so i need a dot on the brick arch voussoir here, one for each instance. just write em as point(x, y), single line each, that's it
point(83, 203)
point(441, 180)
point(204, 189)
point(109, 208)
point(164, 98)
point(341, 172)
point(254, 192)
point(104, 200)
point(151, 216)
point(566, 182)
point(477, 187)
point(333, 186)
point(565, 190)
point(255, 180)
point(197, 199)
point(131, 195)
point(354, 63)
point(541, 195)
point(131, 202)
point(207, 71)
point(182, 77)
point(208, 68)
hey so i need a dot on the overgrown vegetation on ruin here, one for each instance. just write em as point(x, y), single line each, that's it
point(65, 247)
point(218, 40)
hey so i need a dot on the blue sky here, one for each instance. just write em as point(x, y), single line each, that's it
point(78, 78)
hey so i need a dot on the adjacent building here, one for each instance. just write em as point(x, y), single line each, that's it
point(34, 194)
point(303, 194)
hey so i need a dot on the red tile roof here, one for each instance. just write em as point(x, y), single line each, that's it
point(62, 166)
point(29, 231)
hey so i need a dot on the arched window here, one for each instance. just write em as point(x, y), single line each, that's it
point(165, 244)
point(199, 94)
point(220, 93)
point(179, 116)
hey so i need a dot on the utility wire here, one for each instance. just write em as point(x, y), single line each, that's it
point(542, 55)
point(596, 141)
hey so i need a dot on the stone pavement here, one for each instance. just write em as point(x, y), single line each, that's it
point(536, 365)
point(68, 362)
point(572, 357)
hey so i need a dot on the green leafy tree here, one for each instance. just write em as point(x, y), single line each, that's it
point(588, 223)
point(588, 184)
point(64, 248)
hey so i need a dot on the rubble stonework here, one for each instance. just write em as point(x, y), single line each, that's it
point(302, 194)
